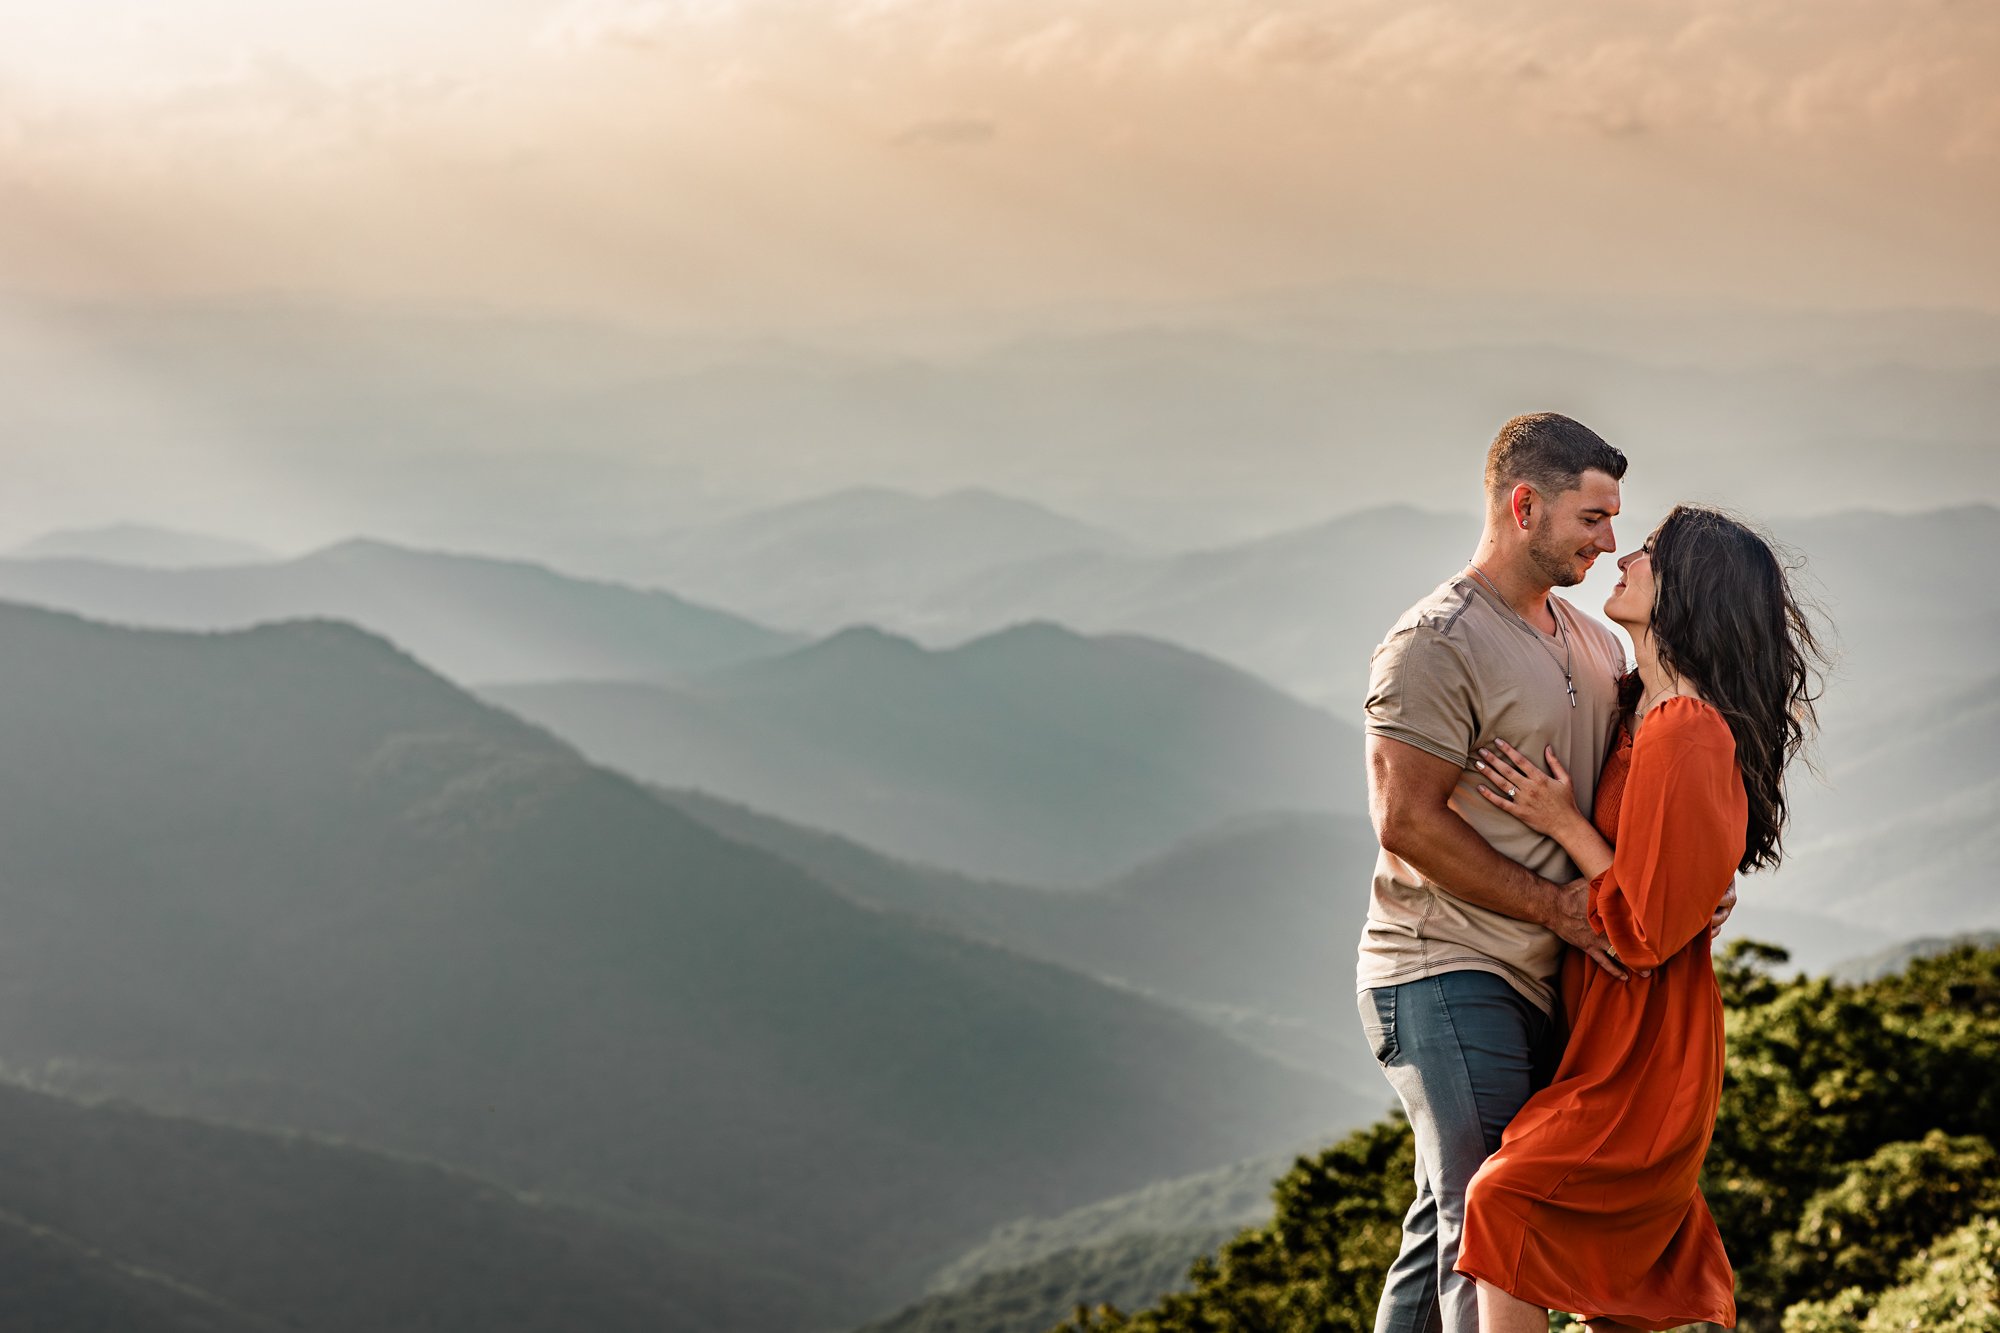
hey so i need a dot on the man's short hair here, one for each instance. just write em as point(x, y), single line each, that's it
point(1548, 451)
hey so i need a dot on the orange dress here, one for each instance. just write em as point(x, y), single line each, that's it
point(1593, 1203)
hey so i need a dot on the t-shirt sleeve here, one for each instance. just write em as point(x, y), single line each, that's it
point(1681, 827)
point(1420, 693)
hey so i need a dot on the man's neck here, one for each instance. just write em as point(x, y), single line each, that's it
point(1522, 589)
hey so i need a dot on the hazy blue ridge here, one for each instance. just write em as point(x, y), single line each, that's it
point(1033, 754)
point(1887, 962)
point(141, 544)
point(1249, 925)
point(291, 878)
point(854, 556)
point(116, 1218)
point(1231, 1196)
point(1897, 822)
point(472, 617)
point(1130, 1251)
point(1308, 398)
point(1131, 1270)
point(1301, 608)
point(1895, 835)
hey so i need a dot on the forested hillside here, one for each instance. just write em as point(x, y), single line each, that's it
point(1853, 1172)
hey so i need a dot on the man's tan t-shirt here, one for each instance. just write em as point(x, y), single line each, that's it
point(1459, 671)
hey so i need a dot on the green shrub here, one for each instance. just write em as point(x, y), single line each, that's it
point(1953, 1287)
point(1858, 1126)
point(1823, 1076)
point(1858, 1232)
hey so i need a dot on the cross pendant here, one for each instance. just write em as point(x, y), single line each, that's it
point(1572, 691)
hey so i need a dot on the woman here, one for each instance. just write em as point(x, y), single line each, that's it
point(1593, 1203)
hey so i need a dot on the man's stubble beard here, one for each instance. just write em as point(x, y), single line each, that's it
point(1557, 567)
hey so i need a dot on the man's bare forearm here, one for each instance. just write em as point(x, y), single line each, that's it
point(1409, 800)
point(1446, 851)
point(1449, 853)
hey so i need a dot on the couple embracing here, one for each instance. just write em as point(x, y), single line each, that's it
point(1560, 839)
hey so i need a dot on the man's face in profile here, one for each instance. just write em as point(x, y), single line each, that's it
point(1567, 532)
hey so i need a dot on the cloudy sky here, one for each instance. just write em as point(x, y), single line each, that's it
point(764, 162)
point(812, 172)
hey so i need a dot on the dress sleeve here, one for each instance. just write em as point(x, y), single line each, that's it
point(1681, 827)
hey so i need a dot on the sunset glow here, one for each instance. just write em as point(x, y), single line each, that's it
point(762, 163)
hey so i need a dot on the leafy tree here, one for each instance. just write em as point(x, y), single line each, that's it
point(1852, 1172)
point(1953, 1287)
point(1743, 972)
point(1903, 1190)
point(1821, 1077)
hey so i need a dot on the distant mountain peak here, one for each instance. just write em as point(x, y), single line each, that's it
point(144, 544)
point(1041, 627)
point(871, 499)
point(879, 494)
point(1027, 632)
point(1375, 518)
point(988, 498)
point(866, 638)
point(119, 530)
point(849, 652)
point(883, 504)
point(321, 638)
point(357, 548)
point(1053, 635)
point(376, 550)
point(474, 617)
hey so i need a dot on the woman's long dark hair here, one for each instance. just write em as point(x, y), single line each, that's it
point(1725, 619)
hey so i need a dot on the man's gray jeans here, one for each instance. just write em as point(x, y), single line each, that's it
point(1463, 1050)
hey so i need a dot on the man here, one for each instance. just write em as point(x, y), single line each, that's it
point(1471, 909)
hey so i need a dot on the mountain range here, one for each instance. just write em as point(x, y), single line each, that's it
point(141, 544)
point(1300, 608)
point(474, 618)
point(858, 556)
point(484, 431)
point(1249, 926)
point(1913, 610)
point(1128, 1250)
point(1909, 609)
point(1034, 753)
point(1898, 832)
point(289, 878)
point(116, 1218)
point(1912, 618)
point(1904, 597)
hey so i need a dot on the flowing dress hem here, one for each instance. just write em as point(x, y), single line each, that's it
point(1560, 1296)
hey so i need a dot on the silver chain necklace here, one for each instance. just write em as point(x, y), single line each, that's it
point(1562, 629)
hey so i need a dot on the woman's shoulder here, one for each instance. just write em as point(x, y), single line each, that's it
point(1687, 719)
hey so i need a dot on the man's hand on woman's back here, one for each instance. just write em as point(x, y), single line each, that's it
point(1571, 920)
